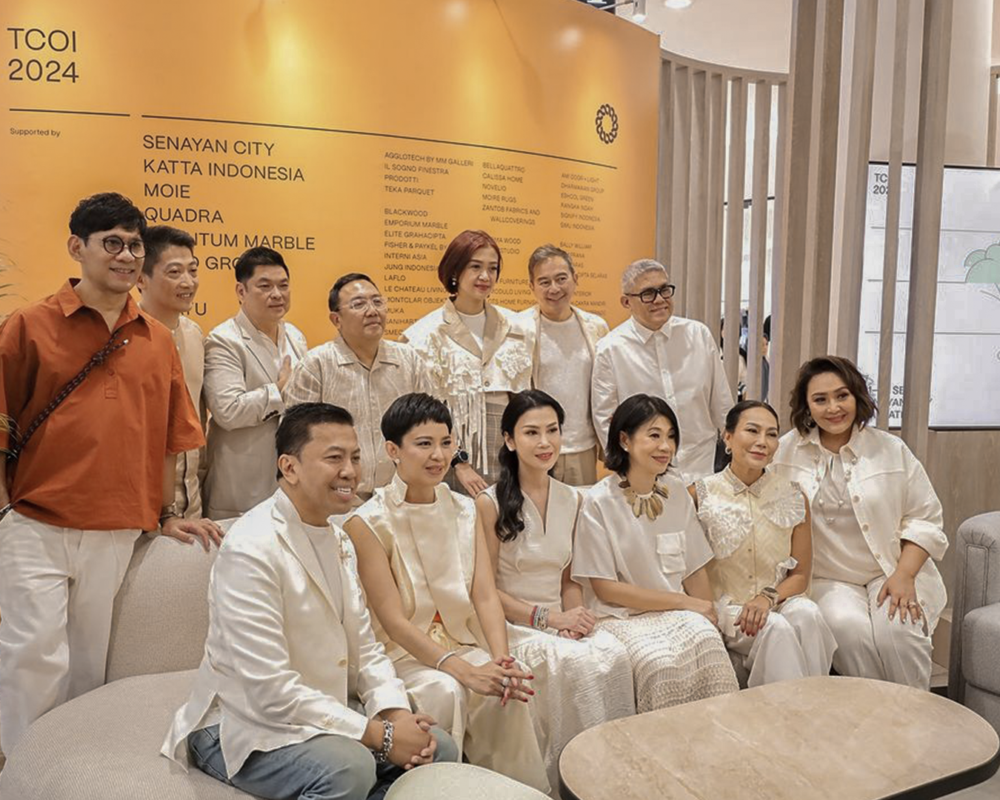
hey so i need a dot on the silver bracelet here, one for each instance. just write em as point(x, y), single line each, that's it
point(382, 756)
point(542, 618)
point(444, 658)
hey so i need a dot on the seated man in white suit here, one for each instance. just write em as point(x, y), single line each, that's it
point(295, 697)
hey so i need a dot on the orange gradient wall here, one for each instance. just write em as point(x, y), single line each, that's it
point(347, 135)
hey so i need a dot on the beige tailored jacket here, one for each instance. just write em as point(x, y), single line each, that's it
point(241, 393)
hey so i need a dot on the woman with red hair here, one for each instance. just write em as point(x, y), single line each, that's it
point(476, 354)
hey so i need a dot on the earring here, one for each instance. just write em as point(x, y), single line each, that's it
point(395, 461)
point(810, 422)
point(729, 450)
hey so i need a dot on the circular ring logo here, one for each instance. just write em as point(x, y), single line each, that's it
point(606, 123)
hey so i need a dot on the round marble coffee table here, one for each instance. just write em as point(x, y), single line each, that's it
point(836, 738)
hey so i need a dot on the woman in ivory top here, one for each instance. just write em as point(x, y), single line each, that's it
point(426, 572)
point(758, 526)
point(583, 677)
point(475, 353)
point(641, 551)
point(877, 526)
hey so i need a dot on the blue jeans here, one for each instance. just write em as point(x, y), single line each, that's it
point(322, 768)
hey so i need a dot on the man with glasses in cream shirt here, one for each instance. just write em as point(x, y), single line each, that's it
point(654, 352)
point(359, 371)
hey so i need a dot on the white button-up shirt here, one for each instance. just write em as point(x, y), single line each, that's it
point(331, 373)
point(680, 363)
point(892, 498)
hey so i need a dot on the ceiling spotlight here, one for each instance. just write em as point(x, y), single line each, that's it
point(677, 4)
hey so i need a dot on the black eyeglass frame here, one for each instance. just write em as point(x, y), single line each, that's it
point(666, 292)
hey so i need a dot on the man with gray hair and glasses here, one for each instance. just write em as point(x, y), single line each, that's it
point(359, 371)
point(654, 352)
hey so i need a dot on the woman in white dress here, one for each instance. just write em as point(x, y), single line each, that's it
point(582, 677)
point(426, 572)
point(641, 551)
point(877, 526)
point(476, 354)
point(758, 526)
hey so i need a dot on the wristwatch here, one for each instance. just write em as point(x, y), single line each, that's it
point(460, 457)
point(771, 594)
point(167, 512)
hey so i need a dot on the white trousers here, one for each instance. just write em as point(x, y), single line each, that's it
point(57, 591)
point(500, 738)
point(869, 644)
point(795, 642)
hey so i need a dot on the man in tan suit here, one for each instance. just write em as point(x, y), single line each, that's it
point(168, 285)
point(295, 696)
point(248, 360)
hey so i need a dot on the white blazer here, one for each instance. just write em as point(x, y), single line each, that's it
point(241, 392)
point(281, 666)
point(892, 496)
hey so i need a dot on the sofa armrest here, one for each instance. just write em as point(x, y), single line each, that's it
point(981, 650)
point(977, 584)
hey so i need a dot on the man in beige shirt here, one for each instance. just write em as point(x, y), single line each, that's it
point(168, 285)
point(359, 371)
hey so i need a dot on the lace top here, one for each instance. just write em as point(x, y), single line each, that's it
point(750, 531)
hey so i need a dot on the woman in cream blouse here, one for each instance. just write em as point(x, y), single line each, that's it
point(641, 551)
point(877, 526)
point(427, 575)
point(758, 526)
point(476, 353)
point(583, 677)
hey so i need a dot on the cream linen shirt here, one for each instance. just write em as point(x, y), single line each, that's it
point(611, 543)
point(750, 531)
point(680, 363)
point(891, 496)
point(332, 373)
point(190, 342)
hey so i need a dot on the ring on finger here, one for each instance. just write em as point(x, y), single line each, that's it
point(505, 682)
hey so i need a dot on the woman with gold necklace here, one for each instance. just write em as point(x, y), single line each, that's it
point(642, 554)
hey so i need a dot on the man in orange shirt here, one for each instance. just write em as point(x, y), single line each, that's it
point(95, 473)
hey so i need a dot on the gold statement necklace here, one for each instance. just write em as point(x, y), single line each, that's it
point(649, 505)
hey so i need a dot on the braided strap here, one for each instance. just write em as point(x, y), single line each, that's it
point(19, 440)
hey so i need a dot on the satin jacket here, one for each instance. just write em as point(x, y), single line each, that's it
point(281, 665)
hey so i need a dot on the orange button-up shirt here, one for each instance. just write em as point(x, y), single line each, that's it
point(97, 462)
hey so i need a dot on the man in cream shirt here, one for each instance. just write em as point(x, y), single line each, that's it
point(168, 285)
point(295, 697)
point(654, 352)
point(360, 371)
point(563, 362)
point(248, 360)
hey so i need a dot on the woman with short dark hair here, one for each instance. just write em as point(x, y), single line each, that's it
point(583, 677)
point(640, 550)
point(476, 354)
point(426, 571)
point(877, 526)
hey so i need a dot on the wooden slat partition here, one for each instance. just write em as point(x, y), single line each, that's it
point(991, 122)
point(778, 232)
point(758, 233)
point(681, 186)
point(716, 188)
point(695, 273)
point(891, 258)
point(928, 184)
point(734, 222)
point(786, 323)
point(859, 131)
point(665, 167)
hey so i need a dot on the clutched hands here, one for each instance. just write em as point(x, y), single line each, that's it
point(412, 742)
